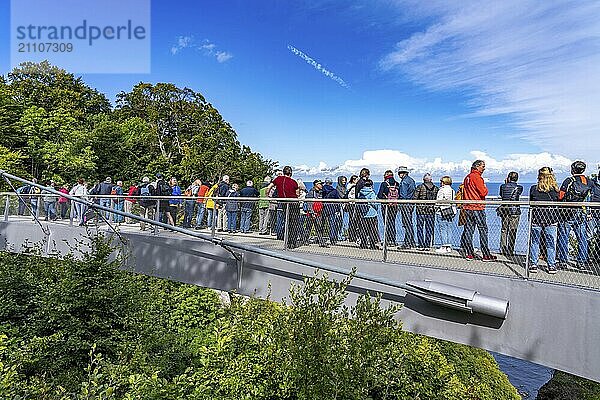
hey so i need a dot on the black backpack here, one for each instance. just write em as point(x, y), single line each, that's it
point(164, 189)
point(577, 190)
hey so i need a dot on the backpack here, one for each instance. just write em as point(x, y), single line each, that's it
point(26, 189)
point(393, 193)
point(577, 190)
point(145, 191)
point(164, 189)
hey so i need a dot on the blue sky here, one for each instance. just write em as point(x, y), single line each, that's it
point(431, 85)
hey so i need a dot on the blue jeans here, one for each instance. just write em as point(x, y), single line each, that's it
point(476, 218)
point(50, 209)
point(118, 206)
point(549, 233)
point(335, 224)
point(406, 212)
point(577, 223)
point(188, 213)
point(210, 215)
point(106, 203)
point(231, 220)
point(425, 224)
point(200, 215)
point(245, 215)
point(445, 231)
point(280, 224)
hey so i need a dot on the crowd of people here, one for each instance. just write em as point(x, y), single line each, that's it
point(283, 199)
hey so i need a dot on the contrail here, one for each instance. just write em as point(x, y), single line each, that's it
point(317, 66)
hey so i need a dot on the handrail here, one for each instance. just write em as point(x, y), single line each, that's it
point(316, 200)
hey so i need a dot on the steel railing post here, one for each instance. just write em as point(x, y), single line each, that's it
point(286, 225)
point(7, 208)
point(71, 212)
point(213, 220)
point(385, 225)
point(156, 216)
point(528, 251)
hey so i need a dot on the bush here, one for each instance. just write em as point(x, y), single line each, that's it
point(85, 329)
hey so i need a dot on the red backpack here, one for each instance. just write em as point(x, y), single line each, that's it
point(393, 193)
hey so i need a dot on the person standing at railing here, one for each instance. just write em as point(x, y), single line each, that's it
point(446, 213)
point(174, 204)
point(425, 212)
point(130, 201)
point(104, 189)
point(574, 189)
point(189, 203)
point(49, 200)
point(222, 191)
point(263, 209)
point(370, 234)
point(162, 188)
point(343, 193)
point(211, 206)
point(231, 207)
point(474, 188)
point(407, 191)
point(201, 203)
point(353, 216)
point(63, 202)
point(314, 214)
point(286, 189)
point(595, 198)
point(301, 192)
point(246, 207)
point(544, 219)
point(79, 190)
point(147, 205)
point(118, 201)
point(389, 190)
point(23, 192)
point(34, 193)
point(509, 214)
point(332, 211)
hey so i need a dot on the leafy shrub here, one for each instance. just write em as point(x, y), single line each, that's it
point(87, 330)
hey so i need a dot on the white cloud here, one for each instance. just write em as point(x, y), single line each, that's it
point(378, 161)
point(318, 66)
point(223, 56)
point(535, 62)
point(207, 48)
point(182, 43)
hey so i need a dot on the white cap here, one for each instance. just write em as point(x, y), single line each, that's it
point(249, 183)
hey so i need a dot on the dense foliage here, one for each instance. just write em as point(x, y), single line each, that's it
point(565, 386)
point(85, 329)
point(54, 126)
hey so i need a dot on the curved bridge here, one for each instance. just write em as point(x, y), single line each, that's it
point(553, 320)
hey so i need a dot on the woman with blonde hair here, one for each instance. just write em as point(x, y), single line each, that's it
point(445, 214)
point(544, 219)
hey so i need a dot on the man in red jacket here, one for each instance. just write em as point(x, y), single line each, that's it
point(474, 189)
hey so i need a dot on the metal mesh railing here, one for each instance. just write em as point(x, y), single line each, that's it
point(556, 242)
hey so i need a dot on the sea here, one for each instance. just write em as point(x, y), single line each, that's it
point(525, 376)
